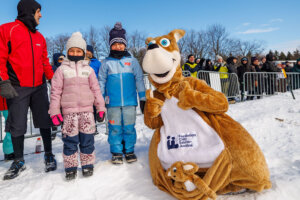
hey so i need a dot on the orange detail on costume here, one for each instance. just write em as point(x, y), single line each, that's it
point(128, 63)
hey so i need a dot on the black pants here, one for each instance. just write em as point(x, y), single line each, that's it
point(35, 98)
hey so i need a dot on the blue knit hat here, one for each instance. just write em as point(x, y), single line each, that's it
point(90, 48)
point(117, 34)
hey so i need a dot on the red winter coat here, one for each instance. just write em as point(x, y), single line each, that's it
point(28, 62)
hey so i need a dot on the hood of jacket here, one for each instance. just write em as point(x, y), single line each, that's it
point(26, 12)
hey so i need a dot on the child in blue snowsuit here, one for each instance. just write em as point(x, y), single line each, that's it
point(121, 77)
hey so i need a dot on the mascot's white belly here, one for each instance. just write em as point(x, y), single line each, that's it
point(186, 137)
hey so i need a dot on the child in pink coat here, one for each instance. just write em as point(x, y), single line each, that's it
point(75, 89)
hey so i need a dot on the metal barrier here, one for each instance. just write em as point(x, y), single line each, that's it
point(227, 83)
point(186, 73)
point(268, 83)
point(254, 84)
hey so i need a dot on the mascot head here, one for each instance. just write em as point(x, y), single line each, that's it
point(163, 56)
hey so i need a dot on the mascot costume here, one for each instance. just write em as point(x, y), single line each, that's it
point(197, 151)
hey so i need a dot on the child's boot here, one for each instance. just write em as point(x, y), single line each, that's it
point(88, 171)
point(71, 175)
point(117, 158)
point(130, 157)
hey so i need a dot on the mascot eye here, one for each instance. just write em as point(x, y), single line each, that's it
point(165, 42)
point(174, 170)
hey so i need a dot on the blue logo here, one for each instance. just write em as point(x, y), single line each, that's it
point(171, 143)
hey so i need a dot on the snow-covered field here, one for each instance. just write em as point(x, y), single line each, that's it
point(279, 139)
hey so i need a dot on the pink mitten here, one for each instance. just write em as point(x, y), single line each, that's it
point(100, 116)
point(57, 119)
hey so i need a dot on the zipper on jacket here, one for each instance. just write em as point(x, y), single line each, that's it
point(32, 59)
point(122, 99)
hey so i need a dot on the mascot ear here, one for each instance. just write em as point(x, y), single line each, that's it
point(177, 34)
point(148, 40)
point(190, 168)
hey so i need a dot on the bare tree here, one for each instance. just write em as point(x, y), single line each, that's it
point(250, 48)
point(93, 38)
point(50, 47)
point(60, 42)
point(135, 43)
point(217, 38)
point(104, 38)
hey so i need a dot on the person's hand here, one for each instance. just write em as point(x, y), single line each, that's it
point(7, 90)
point(57, 119)
point(100, 116)
point(142, 105)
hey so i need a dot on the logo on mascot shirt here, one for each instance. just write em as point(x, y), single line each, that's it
point(188, 140)
point(127, 63)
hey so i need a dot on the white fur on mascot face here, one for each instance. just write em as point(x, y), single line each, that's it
point(163, 56)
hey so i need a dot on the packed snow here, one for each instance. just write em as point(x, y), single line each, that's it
point(274, 122)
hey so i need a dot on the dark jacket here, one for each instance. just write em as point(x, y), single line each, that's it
point(231, 65)
point(56, 64)
point(269, 65)
point(296, 68)
point(208, 67)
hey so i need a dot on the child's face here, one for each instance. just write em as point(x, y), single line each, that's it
point(74, 51)
point(118, 47)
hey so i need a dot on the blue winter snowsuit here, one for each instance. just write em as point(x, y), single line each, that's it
point(120, 80)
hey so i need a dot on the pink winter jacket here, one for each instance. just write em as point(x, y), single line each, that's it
point(75, 88)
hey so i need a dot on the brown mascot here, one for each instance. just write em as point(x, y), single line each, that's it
point(197, 151)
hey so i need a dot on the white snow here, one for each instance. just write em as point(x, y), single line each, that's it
point(279, 140)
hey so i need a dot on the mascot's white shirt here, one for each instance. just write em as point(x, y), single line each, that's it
point(186, 137)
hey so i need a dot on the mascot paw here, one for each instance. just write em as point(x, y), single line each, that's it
point(153, 104)
point(185, 95)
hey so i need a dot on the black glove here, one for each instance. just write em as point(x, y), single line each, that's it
point(7, 90)
point(142, 105)
point(100, 116)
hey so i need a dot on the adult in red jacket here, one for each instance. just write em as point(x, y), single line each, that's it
point(24, 67)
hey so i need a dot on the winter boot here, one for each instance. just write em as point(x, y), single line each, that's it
point(8, 157)
point(130, 157)
point(71, 175)
point(15, 169)
point(86, 172)
point(50, 162)
point(117, 158)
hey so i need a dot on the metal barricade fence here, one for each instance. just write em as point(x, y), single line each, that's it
point(268, 83)
point(227, 83)
point(186, 73)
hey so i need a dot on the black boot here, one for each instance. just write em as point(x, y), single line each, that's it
point(70, 175)
point(130, 157)
point(50, 162)
point(86, 172)
point(117, 158)
point(8, 157)
point(15, 169)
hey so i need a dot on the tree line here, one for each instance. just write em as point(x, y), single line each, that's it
point(208, 43)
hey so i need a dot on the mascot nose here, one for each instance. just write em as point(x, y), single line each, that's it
point(153, 46)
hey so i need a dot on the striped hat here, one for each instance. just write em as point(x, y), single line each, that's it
point(117, 34)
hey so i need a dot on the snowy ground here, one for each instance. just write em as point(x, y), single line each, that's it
point(279, 139)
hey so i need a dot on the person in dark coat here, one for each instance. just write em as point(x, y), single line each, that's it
point(270, 80)
point(296, 76)
point(241, 70)
point(57, 60)
point(258, 78)
point(232, 64)
point(208, 65)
